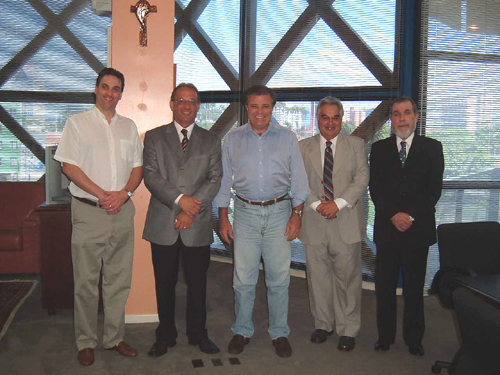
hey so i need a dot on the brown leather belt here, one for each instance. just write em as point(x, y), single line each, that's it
point(263, 203)
point(87, 201)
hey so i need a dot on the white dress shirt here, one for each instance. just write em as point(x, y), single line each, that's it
point(105, 152)
point(408, 141)
point(340, 202)
point(181, 137)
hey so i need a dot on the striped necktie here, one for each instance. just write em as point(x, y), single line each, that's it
point(185, 140)
point(328, 171)
point(402, 153)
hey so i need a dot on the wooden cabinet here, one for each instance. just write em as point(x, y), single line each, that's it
point(57, 268)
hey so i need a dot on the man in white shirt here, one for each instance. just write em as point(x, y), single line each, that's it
point(101, 153)
point(334, 225)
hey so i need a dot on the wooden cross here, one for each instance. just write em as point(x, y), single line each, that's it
point(142, 10)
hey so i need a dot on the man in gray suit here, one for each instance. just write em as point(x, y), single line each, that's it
point(333, 225)
point(183, 171)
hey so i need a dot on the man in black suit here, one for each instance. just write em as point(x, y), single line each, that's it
point(406, 179)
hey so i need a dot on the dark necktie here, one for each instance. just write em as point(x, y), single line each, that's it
point(328, 171)
point(402, 153)
point(185, 140)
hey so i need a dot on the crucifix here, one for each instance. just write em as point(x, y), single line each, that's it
point(142, 10)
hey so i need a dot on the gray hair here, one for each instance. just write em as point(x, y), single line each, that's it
point(330, 100)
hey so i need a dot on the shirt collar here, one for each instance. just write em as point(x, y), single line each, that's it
point(272, 128)
point(179, 128)
point(323, 141)
point(408, 140)
point(100, 115)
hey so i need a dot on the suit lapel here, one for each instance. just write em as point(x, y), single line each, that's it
point(194, 142)
point(340, 153)
point(415, 149)
point(172, 139)
point(315, 155)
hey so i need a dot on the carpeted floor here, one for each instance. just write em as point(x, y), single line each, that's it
point(12, 295)
point(42, 344)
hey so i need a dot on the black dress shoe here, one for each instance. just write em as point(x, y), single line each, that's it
point(237, 344)
point(160, 348)
point(283, 347)
point(381, 346)
point(206, 346)
point(319, 336)
point(346, 343)
point(416, 350)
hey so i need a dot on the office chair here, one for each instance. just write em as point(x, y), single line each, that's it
point(479, 324)
point(465, 249)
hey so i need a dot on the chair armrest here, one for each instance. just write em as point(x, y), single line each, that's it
point(444, 283)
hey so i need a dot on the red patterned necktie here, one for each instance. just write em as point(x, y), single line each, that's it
point(185, 140)
point(328, 171)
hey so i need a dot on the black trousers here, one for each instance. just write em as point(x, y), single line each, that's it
point(196, 261)
point(413, 263)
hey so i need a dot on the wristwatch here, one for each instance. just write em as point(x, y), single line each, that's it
point(129, 193)
point(298, 212)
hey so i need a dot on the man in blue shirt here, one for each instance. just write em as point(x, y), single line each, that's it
point(262, 162)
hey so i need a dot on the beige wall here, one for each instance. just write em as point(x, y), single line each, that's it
point(148, 83)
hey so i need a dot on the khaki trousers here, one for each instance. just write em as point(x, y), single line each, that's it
point(101, 241)
point(335, 283)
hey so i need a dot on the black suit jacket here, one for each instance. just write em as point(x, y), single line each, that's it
point(414, 189)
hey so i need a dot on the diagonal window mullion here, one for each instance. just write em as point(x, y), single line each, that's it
point(40, 40)
point(190, 13)
point(67, 35)
point(374, 121)
point(22, 134)
point(225, 120)
point(213, 54)
point(352, 40)
point(285, 46)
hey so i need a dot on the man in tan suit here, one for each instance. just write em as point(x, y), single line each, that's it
point(333, 225)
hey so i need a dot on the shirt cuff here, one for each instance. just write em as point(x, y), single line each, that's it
point(315, 205)
point(341, 203)
point(178, 199)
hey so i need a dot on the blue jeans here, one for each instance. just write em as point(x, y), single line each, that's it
point(260, 232)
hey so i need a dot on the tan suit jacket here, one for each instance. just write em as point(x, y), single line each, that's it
point(350, 179)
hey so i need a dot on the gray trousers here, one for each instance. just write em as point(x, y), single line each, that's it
point(335, 283)
point(101, 241)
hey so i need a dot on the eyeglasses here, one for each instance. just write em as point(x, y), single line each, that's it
point(182, 101)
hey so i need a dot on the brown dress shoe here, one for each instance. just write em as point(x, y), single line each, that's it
point(237, 344)
point(86, 356)
point(283, 347)
point(125, 349)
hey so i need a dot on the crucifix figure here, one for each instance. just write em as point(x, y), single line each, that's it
point(142, 10)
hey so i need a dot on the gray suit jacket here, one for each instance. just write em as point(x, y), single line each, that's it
point(168, 172)
point(350, 179)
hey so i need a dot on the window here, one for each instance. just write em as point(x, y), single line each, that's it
point(13, 162)
point(57, 73)
point(460, 97)
point(1, 145)
point(1, 161)
point(305, 50)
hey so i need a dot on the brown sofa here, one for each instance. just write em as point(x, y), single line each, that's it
point(20, 226)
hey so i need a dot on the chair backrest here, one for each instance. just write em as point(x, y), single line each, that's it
point(18, 200)
point(479, 324)
point(473, 246)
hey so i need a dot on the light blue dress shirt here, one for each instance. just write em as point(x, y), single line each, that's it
point(261, 168)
